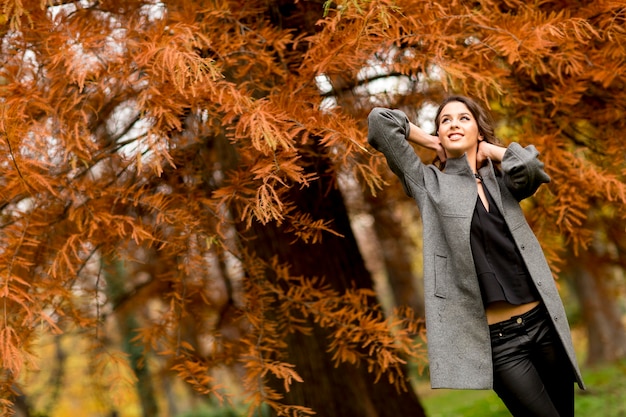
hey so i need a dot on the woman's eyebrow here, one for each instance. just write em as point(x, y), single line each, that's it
point(458, 114)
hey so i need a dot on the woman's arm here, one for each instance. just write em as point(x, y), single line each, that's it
point(419, 137)
point(523, 171)
point(488, 150)
point(389, 132)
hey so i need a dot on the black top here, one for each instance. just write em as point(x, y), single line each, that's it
point(502, 274)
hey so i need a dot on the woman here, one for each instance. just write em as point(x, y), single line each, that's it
point(493, 314)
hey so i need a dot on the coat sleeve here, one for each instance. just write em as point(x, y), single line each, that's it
point(523, 171)
point(387, 132)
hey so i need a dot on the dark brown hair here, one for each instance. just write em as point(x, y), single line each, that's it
point(483, 120)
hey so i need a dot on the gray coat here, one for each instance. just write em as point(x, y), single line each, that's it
point(459, 347)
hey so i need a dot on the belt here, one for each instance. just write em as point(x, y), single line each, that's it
point(518, 322)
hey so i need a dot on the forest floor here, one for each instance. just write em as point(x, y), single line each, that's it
point(605, 396)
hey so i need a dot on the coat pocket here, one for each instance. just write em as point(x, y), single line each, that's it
point(441, 276)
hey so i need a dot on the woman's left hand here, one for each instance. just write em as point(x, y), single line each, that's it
point(487, 151)
point(481, 157)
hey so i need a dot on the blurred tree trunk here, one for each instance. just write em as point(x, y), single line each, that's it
point(391, 232)
point(600, 310)
point(127, 325)
point(345, 390)
point(398, 251)
point(20, 406)
point(330, 391)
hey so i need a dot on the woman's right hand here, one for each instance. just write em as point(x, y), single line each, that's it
point(418, 136)
point(441, 152)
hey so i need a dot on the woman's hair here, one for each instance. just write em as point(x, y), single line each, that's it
point(483, 120)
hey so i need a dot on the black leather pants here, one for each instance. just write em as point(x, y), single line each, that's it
point(532, 374)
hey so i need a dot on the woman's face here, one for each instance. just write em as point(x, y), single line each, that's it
point(458, 130)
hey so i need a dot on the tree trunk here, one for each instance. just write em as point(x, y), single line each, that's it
point(331, 391)
point(20, 406)
point(396, 247)
point(127, 327)
point(600, 311)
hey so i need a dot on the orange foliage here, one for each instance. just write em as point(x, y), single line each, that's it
point(136, 130)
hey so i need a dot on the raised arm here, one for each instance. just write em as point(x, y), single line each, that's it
point(421, 138)
point(522, 169)
point(390, 132)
